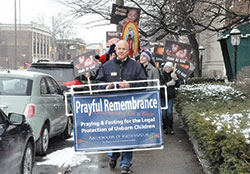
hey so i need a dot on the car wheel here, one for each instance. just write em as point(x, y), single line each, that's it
point(68, 130)
point(28, 160)
point(43, 142)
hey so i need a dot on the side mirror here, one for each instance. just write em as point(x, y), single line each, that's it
point(16, 119)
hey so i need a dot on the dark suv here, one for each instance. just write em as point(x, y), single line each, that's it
point(63, 72)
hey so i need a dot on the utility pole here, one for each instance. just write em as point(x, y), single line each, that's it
point(53, 39)
point(20, 36)
point(118, 27)
point(15, 58)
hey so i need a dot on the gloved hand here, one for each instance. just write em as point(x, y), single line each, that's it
point(111, 85)
point(171, 83)
point(174, 76)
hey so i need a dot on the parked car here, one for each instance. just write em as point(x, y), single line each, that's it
point(40, 99)
point(17, 144)
point(63, 72)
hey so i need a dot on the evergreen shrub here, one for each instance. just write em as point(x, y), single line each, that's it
point(218, 117)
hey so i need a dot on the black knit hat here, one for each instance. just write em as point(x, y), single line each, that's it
point(111, 49)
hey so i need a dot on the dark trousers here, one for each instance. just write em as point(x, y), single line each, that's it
point(167, 114)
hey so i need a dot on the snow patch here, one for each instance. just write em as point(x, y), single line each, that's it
point(65, 157)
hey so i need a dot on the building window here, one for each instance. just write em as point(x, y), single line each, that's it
point(38, 47)
point(34, 46)
point(47, 49)
point(44, 49)
point(41, 47)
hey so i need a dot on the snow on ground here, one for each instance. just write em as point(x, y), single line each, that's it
point(212, 90)
point(227, 119)
point(233, 119)
point(65, 157)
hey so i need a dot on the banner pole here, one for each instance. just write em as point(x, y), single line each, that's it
point(90, 89)
point(174, 67)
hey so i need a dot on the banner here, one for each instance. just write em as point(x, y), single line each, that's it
point(117, 121)
point(112, 37)
point(121, 15)
point(85, 63)
point(181, 54)
point(157, 50)
point(131, 35)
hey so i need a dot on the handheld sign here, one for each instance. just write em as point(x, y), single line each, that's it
point(85, 63)
point(121, 15)
point(131, 35)
point(181, 55)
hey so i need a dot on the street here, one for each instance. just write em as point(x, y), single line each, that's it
point(177, 157)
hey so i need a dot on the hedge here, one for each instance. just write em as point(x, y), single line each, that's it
point(218, 117)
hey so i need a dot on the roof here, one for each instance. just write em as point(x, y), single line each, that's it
point(53, 64)
point(24, 73)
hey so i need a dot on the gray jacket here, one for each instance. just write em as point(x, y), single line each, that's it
point(152, 73)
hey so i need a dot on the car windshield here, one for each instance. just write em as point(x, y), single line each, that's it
point(15, 86)
point(60, 74)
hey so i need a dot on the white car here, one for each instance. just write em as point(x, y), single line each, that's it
point(40, 99)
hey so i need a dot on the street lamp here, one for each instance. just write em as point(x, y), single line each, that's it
point(235, 41)
point(201, 50)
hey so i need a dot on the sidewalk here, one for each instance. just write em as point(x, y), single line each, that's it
point(177, 157)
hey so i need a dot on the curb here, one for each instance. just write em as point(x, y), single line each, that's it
point(199, 153)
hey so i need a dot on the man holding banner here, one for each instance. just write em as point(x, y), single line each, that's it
point(121, 69)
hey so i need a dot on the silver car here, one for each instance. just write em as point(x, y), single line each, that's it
point(39, 98)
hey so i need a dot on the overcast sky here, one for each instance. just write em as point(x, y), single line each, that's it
point(32, 9)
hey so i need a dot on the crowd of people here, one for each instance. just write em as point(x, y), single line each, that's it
point(117, 66)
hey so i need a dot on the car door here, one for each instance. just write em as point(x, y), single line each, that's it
point(10, 145)
point(58, 109)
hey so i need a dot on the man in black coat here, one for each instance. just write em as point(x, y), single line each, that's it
point(121, 70)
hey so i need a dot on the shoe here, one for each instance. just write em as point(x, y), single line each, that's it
point(125, 170)
point(171, 131)
point(112, 163)
point(165, 131)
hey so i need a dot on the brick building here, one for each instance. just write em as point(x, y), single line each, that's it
point(31, 43)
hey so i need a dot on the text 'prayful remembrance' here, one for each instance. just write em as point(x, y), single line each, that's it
point(104, 105)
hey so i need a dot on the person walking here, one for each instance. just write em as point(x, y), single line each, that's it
point(169, 78)
point(121, 69)
point(151, 71)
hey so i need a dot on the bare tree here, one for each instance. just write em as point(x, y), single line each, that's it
point(39, 19)
point(188, 17)
point(83, 8)
point(64, 35)
point(163, 18)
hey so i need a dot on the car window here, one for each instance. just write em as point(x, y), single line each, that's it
point(56, 85)
point(53, 87)
point(15, 86)
point(60, 74)
point(43, 87)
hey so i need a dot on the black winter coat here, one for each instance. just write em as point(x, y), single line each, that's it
point(115, 70)
point(164, 78)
